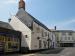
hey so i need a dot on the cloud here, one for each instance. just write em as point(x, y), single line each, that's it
point(10, 1)
point(4, 3)
point(66, 24)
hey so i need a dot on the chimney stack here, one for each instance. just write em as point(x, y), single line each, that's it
point(9, 20)
point(21, 4)
point(55, 28)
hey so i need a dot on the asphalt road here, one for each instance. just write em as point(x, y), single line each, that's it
point(68, 51)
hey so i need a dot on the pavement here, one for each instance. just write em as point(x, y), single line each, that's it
point(67, 51)
point(51, 51)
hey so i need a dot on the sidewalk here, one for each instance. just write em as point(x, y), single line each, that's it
point(51, 51)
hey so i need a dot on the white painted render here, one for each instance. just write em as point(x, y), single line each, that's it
point(53, 38)
point(18, 25)
point(66, 38)
point(37, 32)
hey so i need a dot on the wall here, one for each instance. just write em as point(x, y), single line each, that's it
point(64, 37)
point(18, 25)
point(42, 33)
point(53, 38)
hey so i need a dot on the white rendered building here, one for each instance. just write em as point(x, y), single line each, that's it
point(65, 38)
point(35, 35)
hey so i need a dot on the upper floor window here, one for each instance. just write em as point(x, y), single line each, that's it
point(48, 34)
point(38, 29)
point(70, 33)
point(63, 33)
point(16, 39)
point(42, 33)
point(45, 33)
point(68, 38)
point(65, 38)
point(72, 38)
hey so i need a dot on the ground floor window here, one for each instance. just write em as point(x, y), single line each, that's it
point(44, 44)
point(40, 44)
point(9, 45)
point(66, 44)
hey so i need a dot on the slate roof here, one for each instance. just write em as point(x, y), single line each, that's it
point(5, 25)
point(21, 15)
point(64, 31)
point(38, 22)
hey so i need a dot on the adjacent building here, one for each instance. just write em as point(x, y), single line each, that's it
point(5, 25)
point(9, 38)
point(65, 38)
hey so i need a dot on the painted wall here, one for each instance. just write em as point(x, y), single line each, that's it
point(53, 38)
point(65, 37)
point(26, 32)
point(42, 34)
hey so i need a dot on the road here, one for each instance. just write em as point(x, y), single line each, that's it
point(68, 51)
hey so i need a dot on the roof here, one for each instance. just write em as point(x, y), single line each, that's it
point(38, 22)
point(64, 31)
point(2, 29)
point(52, 30)
point(5, 25)
point(21, 14)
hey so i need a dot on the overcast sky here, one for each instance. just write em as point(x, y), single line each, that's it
point(60, 13)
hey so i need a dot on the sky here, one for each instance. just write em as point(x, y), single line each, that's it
point(60, 13)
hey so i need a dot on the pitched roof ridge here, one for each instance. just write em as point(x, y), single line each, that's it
point(33, 18)
point(38, 21)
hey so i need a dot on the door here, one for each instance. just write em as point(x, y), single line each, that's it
point(40, 44)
